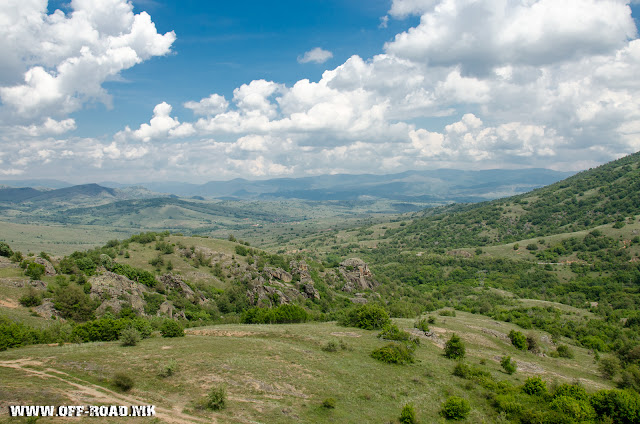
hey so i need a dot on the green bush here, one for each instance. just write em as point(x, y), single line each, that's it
point(463, 370)
point(217, 398)
point(609, 367)
point(34, 270)
point(169, 369)
point(123, 381)
point(129, 337)
point(455, 408)
point(5, 250)
point(73, 303)
point(421, 324)
point(392, 332)
point(534, 386)
point(408, 414)
point(563, 351)
point(454, 348)
point(621, 406)
point(571, 390)
point(577, 410)
point(329, 403)
point(368, 317)
point(171, 328)
point(508, 365)
point(518, 340)
point(331, 346)
point(394, 353)
point(31, 298)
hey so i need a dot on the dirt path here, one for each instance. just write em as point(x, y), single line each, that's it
point(88, 393)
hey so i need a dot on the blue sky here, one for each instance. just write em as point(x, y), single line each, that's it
point(198, 91)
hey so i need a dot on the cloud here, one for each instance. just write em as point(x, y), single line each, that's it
point(478, 36)
point(470, 86)
point(161, 126)
point(54, 63)
point(51, 127)
point(316, 55)
point(208, 106)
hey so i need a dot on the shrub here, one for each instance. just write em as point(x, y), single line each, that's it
point(421, 324)
point(73, 303)
point(532, 343)
point(368, 317)
point(129, 336)
point(518, 340)
point(455, 408)
point(331, 346)
point(578, 410)
point(392, 332)
point(508, 365)
point(408, 414)
point(507, 403)
point(217, 398)
point(622, 406)
point(34, 270)
point(171, 328)
point(609, 367)
point(431, 319)
point(454, 348)
point(123, 381)
point(534, 386)
point(169, 369)
point(5, 250)
point(31, 298)
point(463, 370)
point(571, 390)
point(447, 313)
point(394, 353)
point(329, 403)
point(563, 351)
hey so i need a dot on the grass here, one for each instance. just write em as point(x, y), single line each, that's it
point(280, 373)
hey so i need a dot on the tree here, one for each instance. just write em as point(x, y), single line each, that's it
point(454, 348)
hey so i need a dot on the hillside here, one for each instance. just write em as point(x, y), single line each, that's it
point(297, 328)
point(598, 196)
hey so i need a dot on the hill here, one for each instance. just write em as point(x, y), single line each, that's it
point(598, 196)
point(436, 186)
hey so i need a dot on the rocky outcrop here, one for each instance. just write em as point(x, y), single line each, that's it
point(48, 266)
point(301, 269)
point(47, 310)
point(166, 309)
point(279, 274)
point(357, 274)
point(263, 295)
point(310, 291)
point(175, 282)
point(113, 290)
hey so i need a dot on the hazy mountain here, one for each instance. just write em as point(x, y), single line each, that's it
point(423, 186)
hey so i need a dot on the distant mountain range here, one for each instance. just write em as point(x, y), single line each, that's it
point(443, 185)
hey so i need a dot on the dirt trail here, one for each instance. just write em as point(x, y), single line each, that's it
point(88, 393)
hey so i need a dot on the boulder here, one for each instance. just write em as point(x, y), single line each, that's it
point(110, 286)
point(279, 274)
point(357, 274)
point(310, 291)
point(47, 310)
point(48, 266)
point(175, 282)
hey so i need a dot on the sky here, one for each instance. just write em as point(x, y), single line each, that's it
point(194, 91)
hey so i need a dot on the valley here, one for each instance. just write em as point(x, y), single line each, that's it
point(294, 310)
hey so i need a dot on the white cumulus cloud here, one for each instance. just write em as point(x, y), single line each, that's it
point(316, 55)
